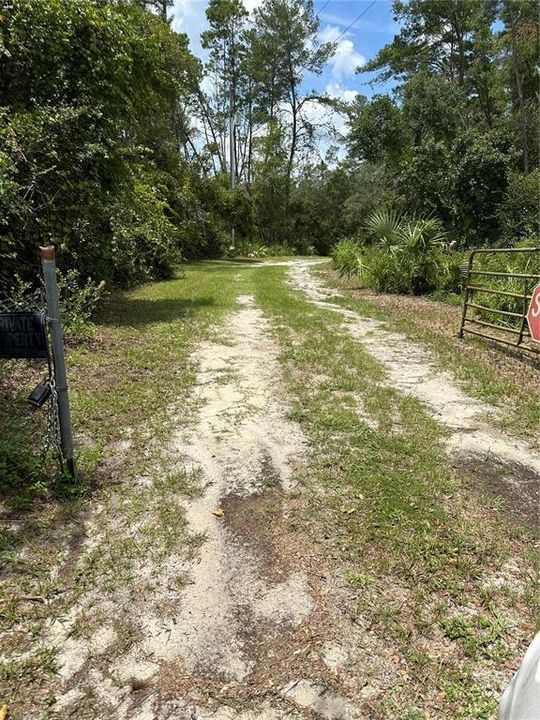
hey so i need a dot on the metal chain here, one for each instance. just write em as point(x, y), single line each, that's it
point(52, 438)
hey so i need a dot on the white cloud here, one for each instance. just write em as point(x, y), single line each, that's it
point(189, 16)
point(336, 92)
point(250, 5)
point(330, 33)
point(346, 58)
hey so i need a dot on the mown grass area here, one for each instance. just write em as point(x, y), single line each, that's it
point(506, 379)
point(130, 383)
point(445, 583)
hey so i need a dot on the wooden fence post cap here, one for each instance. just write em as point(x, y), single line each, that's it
point(47, 252)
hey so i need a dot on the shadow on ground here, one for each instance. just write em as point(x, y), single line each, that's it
point(517, 486)
point(135, 312)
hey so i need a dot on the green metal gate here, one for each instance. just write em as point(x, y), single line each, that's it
point(498, 310)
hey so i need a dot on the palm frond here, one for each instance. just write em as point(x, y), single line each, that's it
point(383, 225)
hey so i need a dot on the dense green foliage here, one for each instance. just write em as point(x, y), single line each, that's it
point(404, 256)
point(115, 141)
point(456, 146)
point(92, 120)
point(459, 138)
point(111, 148)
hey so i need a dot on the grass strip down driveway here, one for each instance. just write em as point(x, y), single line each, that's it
point(503, 377)
point(441, 574)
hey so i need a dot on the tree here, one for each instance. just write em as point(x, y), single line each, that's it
point(377, 130)
point(464, 111)
point(161, 7)
point(433, 107)
point(435, 36)
point(521, 39)
point(284, 46)
point(90, 91)
point(227, 49)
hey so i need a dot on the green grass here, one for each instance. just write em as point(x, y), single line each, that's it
point(130, 383)
point(486, 373)
point(415, 542)
point(418, 547)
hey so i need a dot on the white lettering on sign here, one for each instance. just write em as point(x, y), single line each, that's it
point(22, 335)
point(533, 314)
point(535, 311)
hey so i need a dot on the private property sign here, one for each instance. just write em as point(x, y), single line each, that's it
point(22, 335)
point(533, 314)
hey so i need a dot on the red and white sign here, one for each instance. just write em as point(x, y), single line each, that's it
point(533, 314)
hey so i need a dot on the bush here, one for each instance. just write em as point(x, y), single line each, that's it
point(346, 256)
point(382, 226)
point(79, 300)
point(89, 154)
point(279, 249)
point(519, 210)
point(144, 242)
point(248, 248)
point(408, 255)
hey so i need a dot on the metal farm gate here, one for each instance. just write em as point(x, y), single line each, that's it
point(496, 301)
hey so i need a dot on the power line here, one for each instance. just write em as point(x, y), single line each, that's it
point(356, 20)
point(320, 11)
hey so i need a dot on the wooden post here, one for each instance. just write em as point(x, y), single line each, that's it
point(48, 263)
point(468, 293)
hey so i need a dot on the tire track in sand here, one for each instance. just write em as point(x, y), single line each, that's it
point(510, 462)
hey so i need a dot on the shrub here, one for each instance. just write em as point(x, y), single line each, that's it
point(144, 242)
point(279, 249)
point(382, 226)
point(407, 257)
point(378, 270)
point(79, 300)
point(519, 210)
point(248, 248)
point(451, 278)
point(346, 256)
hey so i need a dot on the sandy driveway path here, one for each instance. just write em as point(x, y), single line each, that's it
point(411, 369)
point(257, 627)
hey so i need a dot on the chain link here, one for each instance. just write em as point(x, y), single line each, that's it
point(33, 301)
point(52, 439)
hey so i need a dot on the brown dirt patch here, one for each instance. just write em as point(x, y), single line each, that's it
point(517, 485)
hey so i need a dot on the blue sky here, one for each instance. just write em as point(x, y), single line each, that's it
point(375, 29)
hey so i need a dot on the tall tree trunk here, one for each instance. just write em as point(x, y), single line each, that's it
point(461, 50)
point(208, 122)
point(294, 137)
point(250, 140)
point(519, 87)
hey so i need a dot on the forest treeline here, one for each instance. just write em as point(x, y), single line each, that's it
point(115, 139)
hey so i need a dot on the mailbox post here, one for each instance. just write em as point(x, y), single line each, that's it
point(57, 345)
